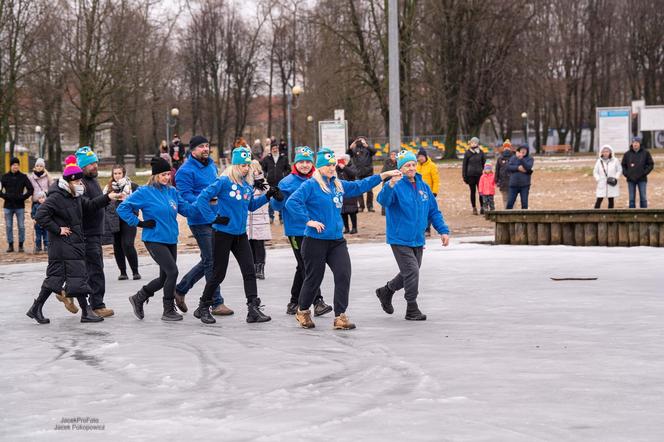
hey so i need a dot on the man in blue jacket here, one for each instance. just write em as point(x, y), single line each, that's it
point(521, 168)
point(409, 207)
point(197, 173)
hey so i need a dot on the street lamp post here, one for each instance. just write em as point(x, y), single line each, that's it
point(524, 115)
point(294, 91)
point(171, 121)
point(312, 137)
point(40, 141)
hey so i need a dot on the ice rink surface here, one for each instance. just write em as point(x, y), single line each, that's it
point(506, 354)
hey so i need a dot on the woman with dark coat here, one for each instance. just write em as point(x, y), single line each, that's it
point(62, 214)
point(347, 172)
point(124, 235)
point(473, 168)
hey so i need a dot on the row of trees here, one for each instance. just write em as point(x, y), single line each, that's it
point(74, 65)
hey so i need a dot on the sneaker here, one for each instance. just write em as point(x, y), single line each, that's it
point(179, 301)
point(254, 313)
point(123, 277)
point(68, 302)
point(474, 211)
point(222, 310)
point(304, 318)
point(104, 312)
point(341, 322)
point(320, 308)
point(291, 308)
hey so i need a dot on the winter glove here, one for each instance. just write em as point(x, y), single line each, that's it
point(147, 224)
point(275, 193)
point(260, 184)
point(223, 220)
point(435, 195)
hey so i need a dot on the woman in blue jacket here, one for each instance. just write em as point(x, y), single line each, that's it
point(234, 191)
point(410, 206)
point(295, 224)
point(521, 169)
point(321, 199)
point(159, 204)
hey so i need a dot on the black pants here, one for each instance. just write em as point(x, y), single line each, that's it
point(409, 260)
point(473, 182)
point(123, 247)
point(258, 250)
point(298, 279)
point(598, 203)
point(370, 195)
point(223, 244)
point(165, 255)
point(94, 262)
point(353, 220)
point(315, 254)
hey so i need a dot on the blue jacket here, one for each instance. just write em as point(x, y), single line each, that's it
point(325, 208)
point(408, 212)
point(162, 204)
point(235, 201)
point(191, 178)
point(294, 222)
point(518, 178)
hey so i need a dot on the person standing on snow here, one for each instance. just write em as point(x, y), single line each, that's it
point(410, 206)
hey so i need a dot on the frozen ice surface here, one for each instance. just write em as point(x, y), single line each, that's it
point(506, 354)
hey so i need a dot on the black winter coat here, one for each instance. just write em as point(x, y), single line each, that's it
point(348, 173)
point(66, 254)
point(502, 176)
point(112, 220)
point(637, 165)
point(93, 201)
point(275, 172)
point(388, 165)
point(362, 157)
point(16, 188)
point(473, 164)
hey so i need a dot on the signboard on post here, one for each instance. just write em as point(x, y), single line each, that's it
point(614, 127)
point(334, 135)
point(339, 115)
point(651, 118)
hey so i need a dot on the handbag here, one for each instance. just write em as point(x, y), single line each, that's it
point(611, 181)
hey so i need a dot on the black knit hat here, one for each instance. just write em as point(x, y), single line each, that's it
point(423, 153)
point(196, 141)
point(14, 160)
point(159, 165)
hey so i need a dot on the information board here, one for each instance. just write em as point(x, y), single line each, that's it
point(614, 127)
point(651, 118)
point(334, 135)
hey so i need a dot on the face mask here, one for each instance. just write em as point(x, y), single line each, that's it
point(79, 189)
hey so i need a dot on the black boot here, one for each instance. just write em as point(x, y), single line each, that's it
point(10, 249)
point(169, 311)
point(20, 247)
point(260, 270)
point(202, 312)
point(87, 314)
point(320, 308)
point(413, 313)
point(385, 296)
point(35, 311)
point(137, 300)
point(254, 314)
point(291, 308)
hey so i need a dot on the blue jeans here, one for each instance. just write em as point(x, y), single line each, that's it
point(643, 198)
point(204, 267)
point(514, 192)
point(9, 224)
point(40, 232)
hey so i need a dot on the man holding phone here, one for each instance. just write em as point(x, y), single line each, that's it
point(361, 155)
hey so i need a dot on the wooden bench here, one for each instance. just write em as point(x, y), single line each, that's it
point(557, 148)
point(601, 227)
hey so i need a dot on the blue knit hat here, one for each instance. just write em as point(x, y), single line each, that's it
point(85, 156)
point(304, 153)
point(405, 156)
point(241, 155)
point(325, 157)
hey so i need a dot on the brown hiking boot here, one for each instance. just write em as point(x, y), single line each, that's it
point(179, 301)
point(222, 310)
point(68, 302)
point(304, 318)
point(104, 312)
point(341, 322)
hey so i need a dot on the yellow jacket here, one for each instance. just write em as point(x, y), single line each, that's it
point(429, 172)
